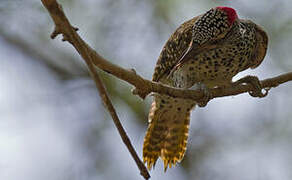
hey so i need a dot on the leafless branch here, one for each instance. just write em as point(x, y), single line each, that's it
point(57, 14)
point(107, 102)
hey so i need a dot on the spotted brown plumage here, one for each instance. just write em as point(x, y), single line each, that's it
point(209, 49)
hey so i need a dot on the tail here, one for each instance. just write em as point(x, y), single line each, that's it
point(167, 133)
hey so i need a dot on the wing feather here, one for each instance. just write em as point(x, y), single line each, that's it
point(173, 49)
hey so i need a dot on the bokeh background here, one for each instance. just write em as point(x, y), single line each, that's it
point(54, 127)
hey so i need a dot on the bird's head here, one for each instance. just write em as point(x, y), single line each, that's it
point(230, 13)
point(214, 24)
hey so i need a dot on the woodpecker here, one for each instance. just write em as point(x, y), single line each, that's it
point(208, 50)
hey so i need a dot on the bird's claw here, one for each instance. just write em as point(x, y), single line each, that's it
point(255, 82)
point(204, 101)
point(207, 95)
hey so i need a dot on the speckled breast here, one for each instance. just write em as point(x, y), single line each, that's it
point(216, 67)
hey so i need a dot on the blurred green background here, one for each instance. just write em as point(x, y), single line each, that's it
point(52, 122)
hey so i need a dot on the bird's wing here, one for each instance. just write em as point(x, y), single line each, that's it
point(261, 46)
point(192, 51)
point(173, 50)
point(207, 43)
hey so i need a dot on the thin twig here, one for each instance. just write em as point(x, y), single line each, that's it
point(107, 102)
point(56, 11)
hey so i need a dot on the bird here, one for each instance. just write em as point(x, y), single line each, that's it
point(206, 51)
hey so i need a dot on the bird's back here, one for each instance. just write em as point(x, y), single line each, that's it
point(173, 50)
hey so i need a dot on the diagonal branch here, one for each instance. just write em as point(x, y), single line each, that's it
point(107, 102)
point(68, 35)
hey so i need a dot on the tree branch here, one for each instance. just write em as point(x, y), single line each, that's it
point(112, 111)
point(143, 87)
point(57, 14)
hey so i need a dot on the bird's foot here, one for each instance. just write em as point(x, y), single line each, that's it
point(255, 82)
point(207, 94)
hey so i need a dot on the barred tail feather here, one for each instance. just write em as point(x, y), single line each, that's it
point(167, 133)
